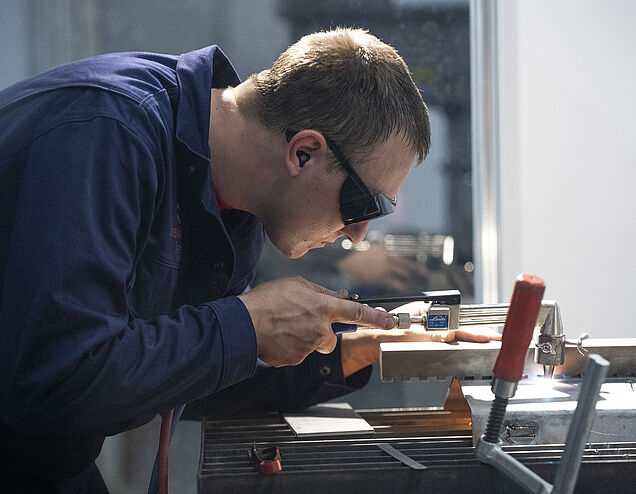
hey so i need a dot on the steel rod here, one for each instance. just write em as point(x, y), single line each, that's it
point(579, 430)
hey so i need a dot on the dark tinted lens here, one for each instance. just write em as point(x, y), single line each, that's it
point(355, 204)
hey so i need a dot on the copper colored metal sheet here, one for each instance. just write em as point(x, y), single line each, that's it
point(454, 416)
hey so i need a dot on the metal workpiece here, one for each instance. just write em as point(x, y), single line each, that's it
point(549, 318)
point(581, 424)
point(475, 361)
point(483, 314)
point(492, 454)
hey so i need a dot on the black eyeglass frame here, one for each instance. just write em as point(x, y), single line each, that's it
point(357, 204)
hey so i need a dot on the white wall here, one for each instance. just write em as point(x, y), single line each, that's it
point(567, 104)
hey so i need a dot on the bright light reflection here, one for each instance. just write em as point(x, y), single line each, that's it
point(448, 252)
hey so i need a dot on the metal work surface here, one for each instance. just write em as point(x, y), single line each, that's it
point(541, 410)
point(365, 464)
point(476, 360)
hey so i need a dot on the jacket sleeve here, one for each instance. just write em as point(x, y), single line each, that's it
point(317, 379)
point(72, 358)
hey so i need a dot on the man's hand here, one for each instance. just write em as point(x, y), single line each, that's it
point(363, 347)
point(292, 317)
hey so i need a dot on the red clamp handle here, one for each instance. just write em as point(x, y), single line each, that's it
point(522, 317)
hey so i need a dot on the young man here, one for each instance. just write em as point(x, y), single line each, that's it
point(135, 191)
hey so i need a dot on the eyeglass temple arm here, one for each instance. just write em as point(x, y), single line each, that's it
point(289, 134)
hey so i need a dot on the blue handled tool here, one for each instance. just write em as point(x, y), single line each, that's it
point(341, 327)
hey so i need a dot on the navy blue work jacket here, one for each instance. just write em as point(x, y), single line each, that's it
point(119, 273)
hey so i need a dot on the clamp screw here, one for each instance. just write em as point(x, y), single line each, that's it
point(546, 348)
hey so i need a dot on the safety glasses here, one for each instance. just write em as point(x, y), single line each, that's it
point(356, 202)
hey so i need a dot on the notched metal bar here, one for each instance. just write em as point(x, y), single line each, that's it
point(464, 360)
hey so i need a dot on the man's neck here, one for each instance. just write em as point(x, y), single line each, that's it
point(239, 151)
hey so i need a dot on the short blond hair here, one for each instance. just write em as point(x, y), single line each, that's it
point(346, 84)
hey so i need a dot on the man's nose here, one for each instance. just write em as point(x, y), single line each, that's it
point(356, 231)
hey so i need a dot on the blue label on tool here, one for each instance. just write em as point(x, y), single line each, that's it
point(438, 321)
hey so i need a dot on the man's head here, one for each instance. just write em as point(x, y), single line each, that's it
point(334, 99)
point(346, 84)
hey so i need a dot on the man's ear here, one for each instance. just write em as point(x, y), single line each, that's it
point(305, 148)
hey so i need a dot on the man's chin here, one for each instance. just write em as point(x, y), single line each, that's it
point(300, 251)
point(320, 246)
point(292, 251)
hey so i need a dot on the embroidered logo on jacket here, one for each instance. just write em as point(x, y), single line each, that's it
point(175, 232)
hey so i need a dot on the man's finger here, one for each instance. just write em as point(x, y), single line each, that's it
point(353, 312)
point(477, 336)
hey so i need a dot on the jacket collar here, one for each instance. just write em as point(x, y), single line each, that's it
point(198, 72)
